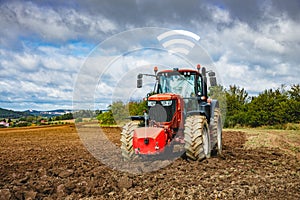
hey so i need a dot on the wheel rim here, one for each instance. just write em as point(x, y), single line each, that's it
point(219, 135)
point(205, 141)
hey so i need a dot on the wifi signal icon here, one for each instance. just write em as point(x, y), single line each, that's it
point(178, 45)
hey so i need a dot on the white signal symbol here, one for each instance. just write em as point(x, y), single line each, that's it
point(178, 45)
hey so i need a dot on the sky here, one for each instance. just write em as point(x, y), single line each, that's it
point(47, 46)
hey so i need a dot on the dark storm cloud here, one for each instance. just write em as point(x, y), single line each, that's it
point(141, 12)
point(131, 14)
point(291, 7)
point(253, 11)
point(93, 20)
point(21, 21)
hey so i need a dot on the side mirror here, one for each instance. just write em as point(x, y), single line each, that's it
point(203, 71)
point(213, 81)
point(139, 82)
point(210, 74)
point(140, 76)
point(212, 78)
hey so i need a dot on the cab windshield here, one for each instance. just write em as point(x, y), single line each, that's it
point(182, 84)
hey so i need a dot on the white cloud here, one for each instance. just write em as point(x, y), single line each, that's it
point(267, 44)
point(219, 15)
point(255, 59)
point(27, 62)
point(47, 74)
point(39, 64)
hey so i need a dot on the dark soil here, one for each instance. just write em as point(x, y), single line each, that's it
point(52, 163)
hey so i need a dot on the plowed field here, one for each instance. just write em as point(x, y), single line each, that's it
point(52, 163)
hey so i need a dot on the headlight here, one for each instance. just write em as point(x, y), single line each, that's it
point(166, 103)
point(151, 103)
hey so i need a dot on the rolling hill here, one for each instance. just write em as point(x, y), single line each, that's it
point(5, 113)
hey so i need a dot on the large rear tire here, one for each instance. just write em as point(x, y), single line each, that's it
point(126, 140)
point(196, 137)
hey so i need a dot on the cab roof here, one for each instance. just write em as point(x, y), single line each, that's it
point(179, 70)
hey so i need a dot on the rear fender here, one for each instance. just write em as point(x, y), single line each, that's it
point(204, 109)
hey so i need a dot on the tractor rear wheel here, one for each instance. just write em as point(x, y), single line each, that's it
point(126, 140)
point(196, 137)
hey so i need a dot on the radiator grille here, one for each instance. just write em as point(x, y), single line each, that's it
point(161, 113)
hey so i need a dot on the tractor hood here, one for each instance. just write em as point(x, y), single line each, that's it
point(165, 96)
point(149, 140)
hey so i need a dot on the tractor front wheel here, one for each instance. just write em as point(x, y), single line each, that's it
point(196, 137)
point(126, 140)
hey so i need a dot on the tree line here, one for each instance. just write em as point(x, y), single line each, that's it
point(118, 112)
point(272, 107)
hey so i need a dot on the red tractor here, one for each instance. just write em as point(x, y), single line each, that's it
point(179, 113)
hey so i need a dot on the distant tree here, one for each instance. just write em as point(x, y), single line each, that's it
point(268, 108)
point(119, 111)
point(30, 119)
point(219, 93)
point(106, 118)
point(66, 116)
point(236, 100)
point(97, 112)
point(292, 107)
point(136, 107)
point(77, 120)
point(84, 114)
point(294, 92)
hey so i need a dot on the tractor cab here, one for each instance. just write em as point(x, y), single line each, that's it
point(187, 83)
point(178, 87)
